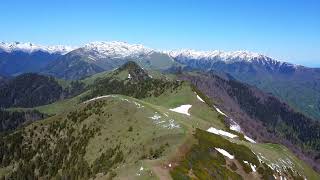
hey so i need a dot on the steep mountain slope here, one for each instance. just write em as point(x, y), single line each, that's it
point(17, 58)
point(71, 66)
point(104, 56)
point(160, 135)
point(29, 90)
point(262, 115)
point(297, 85)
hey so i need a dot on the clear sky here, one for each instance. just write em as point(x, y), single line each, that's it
point(288, 30)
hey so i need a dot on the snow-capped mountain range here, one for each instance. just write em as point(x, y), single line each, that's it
point(117, 49)
point(30, 47)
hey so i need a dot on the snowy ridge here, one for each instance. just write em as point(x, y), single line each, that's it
point(192, 56)
point(211, 55)
point(30, 47)
point(116, 49)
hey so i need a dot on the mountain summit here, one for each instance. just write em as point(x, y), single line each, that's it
point(118, 49)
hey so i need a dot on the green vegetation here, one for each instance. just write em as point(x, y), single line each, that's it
point(139, 85)
point(30, 90)
point(202, 161)
point(278, 118)
point(132, 134)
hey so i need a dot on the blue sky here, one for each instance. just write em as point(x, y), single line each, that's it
point(288, 30)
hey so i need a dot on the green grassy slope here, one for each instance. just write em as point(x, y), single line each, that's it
point(114, 135)
point(122, 137)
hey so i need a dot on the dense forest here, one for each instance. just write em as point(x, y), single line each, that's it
point(278, 116)
point(10, 120)
point(30, 89)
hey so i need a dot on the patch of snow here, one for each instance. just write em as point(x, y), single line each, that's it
point(221, 132)
point(279, 165)
point(169, 124)
point(249, 139)
point(183, 109)
point(99, 97)
point(139, 173)
point(200, 98)
point(138, 104)
point(156, 116)
point(114, 96)
point(235, 126)
point(124, 99)
point(219, 111)
point(225, 153)
point(253, 167)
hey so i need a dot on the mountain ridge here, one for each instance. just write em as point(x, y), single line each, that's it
point(121, 49)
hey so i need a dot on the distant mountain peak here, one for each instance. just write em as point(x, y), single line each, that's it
point(30, 47)
point(118, 49)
